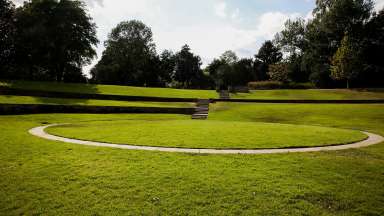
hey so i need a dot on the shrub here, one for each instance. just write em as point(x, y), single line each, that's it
point(279, 72)
point(278, 85)
point(265, 85)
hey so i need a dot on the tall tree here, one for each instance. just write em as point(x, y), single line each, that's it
point(130, 57)
point(168, 64)
point(268, 54)
point(372, 47)
point(54, 38)
point(7, 32)
point(345, 63)
point(187, 70)
point(292, 38)
point(293, 42)
point(332, 20)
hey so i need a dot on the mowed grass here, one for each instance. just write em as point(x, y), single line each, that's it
point(207, 134)
point(10, 99)
point(313, 94)
point(110, 89)
point(53, 178)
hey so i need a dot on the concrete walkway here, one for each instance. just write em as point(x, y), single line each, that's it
point(372, 140)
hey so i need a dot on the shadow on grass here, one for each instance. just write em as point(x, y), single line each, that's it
point(53, 92)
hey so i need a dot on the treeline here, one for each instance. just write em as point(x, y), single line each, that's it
point(52, 40)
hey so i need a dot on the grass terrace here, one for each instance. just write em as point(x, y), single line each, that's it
point(110, 89)
point(313, 94)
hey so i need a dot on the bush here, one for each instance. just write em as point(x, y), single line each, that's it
point(278, 85)
point(265, 85)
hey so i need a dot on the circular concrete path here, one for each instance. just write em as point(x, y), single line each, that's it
point(372, 140)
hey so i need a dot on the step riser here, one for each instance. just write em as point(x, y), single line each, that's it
point(201, 110)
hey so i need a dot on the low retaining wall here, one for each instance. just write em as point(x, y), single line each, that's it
point(300, 101)
point(35, 93)
point(14, 109)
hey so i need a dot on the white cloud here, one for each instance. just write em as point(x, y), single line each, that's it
point(379, 5)
point(220, 9)
point(235, 14)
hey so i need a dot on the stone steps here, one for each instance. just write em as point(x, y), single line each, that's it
point(201, 110)
point(224, 94)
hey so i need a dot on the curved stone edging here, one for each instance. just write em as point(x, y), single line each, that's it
point(372, 140)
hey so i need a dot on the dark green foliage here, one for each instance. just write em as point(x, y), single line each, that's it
point(7, 31)
point(279, 72)
point(187, 69)
point(54, 39)
point(229, 71)
point(129, 58)
point(267, 55)
point(372, 47)
point(332, 20)
point(168, 64)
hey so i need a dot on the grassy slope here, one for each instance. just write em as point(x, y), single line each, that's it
point(313, 94)
point(207, 134)
point(111, 89)
point(42, 100)
point(39, 176)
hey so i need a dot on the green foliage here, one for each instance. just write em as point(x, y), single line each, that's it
point(332, 19)
point(346, 61)
point(292, 38)
point(53, 39)
point(7, 31)
point(187, 69)
point(268, 54)
point(279, 72)
point(265, 85)
point(130, 57)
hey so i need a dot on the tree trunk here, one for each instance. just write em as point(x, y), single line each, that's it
point(347, 84)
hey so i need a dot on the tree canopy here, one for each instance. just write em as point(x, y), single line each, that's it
point(53, 39)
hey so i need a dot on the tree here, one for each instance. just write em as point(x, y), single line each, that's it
point(292, 41)
point(345, 62)
point(168, 65)
point(267, 55)
point(332, 19)
point(292, 38)
point(243, 71)
point(372, 45)
point(7, 32)
point(54, 39)
point(279, 72)
point(187, 70)
point(129, 57)
point(229, 57)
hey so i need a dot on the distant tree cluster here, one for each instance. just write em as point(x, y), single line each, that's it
point(340, 46)
point(46, 40)
point(130, 58)
point(52, 40)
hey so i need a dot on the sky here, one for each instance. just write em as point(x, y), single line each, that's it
point(209, 27)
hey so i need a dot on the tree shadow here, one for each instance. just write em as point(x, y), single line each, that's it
point(53, 93)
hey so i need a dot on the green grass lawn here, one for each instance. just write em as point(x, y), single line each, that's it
point(313, 94)
point(110, 89)
point(38, 176)
point(9, 99)
point(207, 134)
